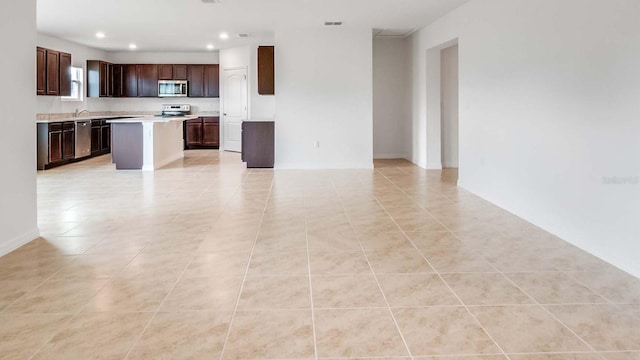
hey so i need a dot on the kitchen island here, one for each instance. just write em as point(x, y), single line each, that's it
point(147, 143)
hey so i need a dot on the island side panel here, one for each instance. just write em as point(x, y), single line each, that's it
point(127, 146)
point(168, 143)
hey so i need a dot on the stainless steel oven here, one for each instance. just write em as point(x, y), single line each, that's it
point(172, 88)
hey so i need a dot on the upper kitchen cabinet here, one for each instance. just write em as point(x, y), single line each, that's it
point(165, 72)
point(195, 76)
point(130, 80)
point(53, 72)
point(179, 72)
point(266, 70)
point(65, 74)
point(204, 80)
point(148, 80)
point(212, 81)
point(41, 71)
point(98, 78)
point(116, 81)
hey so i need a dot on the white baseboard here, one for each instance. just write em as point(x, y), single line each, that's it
point(434, 166)
point(450, 165)
point(389, 156)
point(12, 244)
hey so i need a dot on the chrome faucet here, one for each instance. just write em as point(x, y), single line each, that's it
point(77, 112)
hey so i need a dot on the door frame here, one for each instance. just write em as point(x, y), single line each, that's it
point(222, 94)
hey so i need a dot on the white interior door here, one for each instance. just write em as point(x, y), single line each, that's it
point(234, 107)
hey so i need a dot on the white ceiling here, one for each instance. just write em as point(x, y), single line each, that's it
point(189, 25)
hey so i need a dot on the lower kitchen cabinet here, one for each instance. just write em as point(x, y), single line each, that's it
point(68, 141)
point(100, 137)
point(56, 143)
point(202, 133)
point(258, 143)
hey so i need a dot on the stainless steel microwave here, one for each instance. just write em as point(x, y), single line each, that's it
point(172, 88)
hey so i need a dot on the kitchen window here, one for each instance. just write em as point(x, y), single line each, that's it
point(76, 85)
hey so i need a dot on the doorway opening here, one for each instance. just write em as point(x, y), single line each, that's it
point(449, 107)
point(442, 109)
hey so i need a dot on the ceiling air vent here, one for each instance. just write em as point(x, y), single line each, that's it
point(332, 23)
point(243, 35)
point(211, 1)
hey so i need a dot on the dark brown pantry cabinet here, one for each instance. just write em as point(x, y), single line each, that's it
point(53, 72)
point(202, 133)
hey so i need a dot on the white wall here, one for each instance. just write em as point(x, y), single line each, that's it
point(390, 98)
point(548, 107)
point(261, 107)
point(18, 214)
point(136, 57)
point(449, 108)
point(324, 93)
point(79, 56)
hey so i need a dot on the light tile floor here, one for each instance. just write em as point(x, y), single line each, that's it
point(205, 259)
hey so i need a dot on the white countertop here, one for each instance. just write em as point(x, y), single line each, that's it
point(152, 119)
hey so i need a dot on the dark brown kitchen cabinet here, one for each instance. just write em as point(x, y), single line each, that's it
point(165, 72)
point(98, 78)
point(202, 133)
point(100, 137)
point(65, 74)
point(68, 140)
point(258, 143)
point(55, 143)
point(148, 80)
point(116, 81)
point(204, 80)
point(129, 80)
point(53, 72)
point(193, 129)
point(211, 132)
point(266, 70)
point(41, 71)
point(212, 81)
point(180, 72)
point(96, 137)
point(105, 134)
point(195, 76)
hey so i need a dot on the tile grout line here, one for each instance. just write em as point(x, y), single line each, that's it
point(436, 272)
point(77, 313)
point(184, 270)
point(550, 313)
point(313, 317)
point(375, 277)
point(246, 272)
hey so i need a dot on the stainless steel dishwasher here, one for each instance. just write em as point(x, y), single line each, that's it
point(83, 138)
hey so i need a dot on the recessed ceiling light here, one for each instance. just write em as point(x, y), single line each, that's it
point(210, 47)
point(100, 35)
point(224, 36)
point(133, 46)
